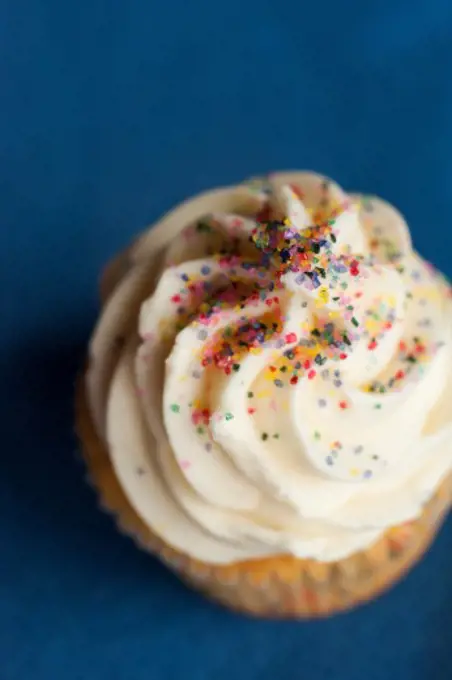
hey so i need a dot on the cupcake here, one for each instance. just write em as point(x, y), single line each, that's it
point(266, 401)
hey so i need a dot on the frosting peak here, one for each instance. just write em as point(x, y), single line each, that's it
point(278, 390)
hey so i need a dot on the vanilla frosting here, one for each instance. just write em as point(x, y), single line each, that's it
point(272, 372)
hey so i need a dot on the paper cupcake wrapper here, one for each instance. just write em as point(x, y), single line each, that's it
point(277, 587)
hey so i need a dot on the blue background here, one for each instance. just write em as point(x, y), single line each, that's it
point(110, 112)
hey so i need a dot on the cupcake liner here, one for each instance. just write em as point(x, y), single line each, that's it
point(276, 587)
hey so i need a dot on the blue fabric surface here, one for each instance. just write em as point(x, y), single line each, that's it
point(110, 113)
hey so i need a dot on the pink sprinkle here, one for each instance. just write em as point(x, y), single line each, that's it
point(229, 261)
point(273, 405)
point(149, 336)
point(185, 464)
point(236, 222)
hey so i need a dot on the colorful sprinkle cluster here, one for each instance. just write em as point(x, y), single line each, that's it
point(249, 335)
point(311, 257)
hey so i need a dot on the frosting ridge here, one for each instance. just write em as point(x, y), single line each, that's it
point(271, 372)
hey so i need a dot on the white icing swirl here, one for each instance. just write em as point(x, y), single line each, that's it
point(272, 372)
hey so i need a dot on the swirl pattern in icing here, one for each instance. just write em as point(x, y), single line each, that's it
point(271, 372)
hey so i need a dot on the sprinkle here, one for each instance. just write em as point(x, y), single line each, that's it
point(264, 436)
point(355, 321)
point(228, 416)
point(185, 464)
point(175, 408)
point(343, 405)
point(322, 403)
point(250, 395)
point(311, 375)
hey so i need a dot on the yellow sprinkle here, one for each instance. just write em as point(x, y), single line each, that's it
point(324, 294)
point(353, 472)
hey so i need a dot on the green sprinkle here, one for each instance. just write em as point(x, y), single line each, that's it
point(175, 408)
point(377, 406)
point(276, 436)
point(355, 321)
point(317, 435)
point(236, 367)
point(203, 227)
point(228, 416)
point(250, 395)
point(264, 436)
